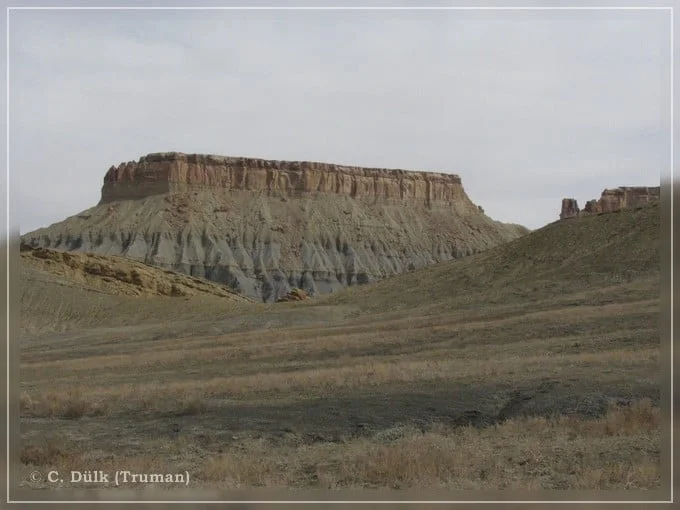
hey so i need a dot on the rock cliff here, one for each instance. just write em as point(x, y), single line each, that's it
point(176, 172)
point(264, 227)
point(611, 200)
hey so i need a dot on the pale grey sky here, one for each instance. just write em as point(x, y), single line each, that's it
point(527, 107)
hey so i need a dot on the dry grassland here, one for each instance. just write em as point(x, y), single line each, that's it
point(530, 453)
point(445, 377)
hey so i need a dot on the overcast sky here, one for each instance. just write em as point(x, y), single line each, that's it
point(527, 107)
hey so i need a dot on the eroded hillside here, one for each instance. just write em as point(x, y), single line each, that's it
point(264, 227)
point(588, 253)
point(65, 290)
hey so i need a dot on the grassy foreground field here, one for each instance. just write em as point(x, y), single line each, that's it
point(532, 365)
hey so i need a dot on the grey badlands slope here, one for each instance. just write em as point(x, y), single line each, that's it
point(262, 226)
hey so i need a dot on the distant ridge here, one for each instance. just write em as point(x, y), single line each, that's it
point(611, 200)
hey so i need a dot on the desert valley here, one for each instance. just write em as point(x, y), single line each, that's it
point(265, 323)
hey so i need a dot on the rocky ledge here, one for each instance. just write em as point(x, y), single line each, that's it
point(611, 200)
point(169, 172)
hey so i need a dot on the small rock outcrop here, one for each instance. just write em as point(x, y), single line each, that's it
point(119, 276)
point(569, 208)
point(611, 200)
point(294, 295)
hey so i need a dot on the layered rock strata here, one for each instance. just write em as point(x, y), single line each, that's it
point(611, 200)
point(176, 172)
point(264, 227)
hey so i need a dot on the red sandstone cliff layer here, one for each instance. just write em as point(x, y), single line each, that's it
point(611, 200)
point(173, 171)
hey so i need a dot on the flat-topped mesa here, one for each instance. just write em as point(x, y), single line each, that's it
point(265, 227)
point(173, 171)
point(612, 200)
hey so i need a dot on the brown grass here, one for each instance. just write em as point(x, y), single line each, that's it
point(528, 453)
point(344, 356)
point(375, 386)
point(55, 451)
point(70, 405)
point(168, 381)
point(187, 397)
